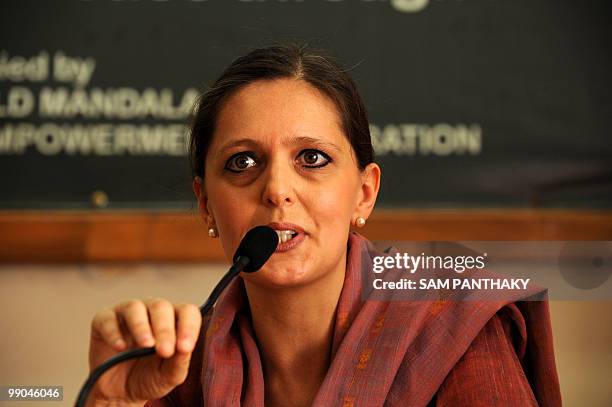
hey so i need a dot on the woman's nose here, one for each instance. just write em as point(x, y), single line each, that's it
point(279, 187)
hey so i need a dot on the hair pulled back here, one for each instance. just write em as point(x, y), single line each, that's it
point(275, 62)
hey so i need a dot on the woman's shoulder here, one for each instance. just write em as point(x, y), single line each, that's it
point(477, 354)
point(510, 362)
point(491, 371)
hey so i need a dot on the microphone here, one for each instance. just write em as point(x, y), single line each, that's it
point(254, 250)
point(257, 245)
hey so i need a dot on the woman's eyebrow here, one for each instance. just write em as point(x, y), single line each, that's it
point(289, 141)
point(315, 141)
point(246, 141)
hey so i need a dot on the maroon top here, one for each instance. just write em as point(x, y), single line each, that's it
point(392, 353)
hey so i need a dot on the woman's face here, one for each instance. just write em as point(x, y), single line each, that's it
point(279, 157)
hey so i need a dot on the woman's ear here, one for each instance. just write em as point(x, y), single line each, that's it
point(370, 184)
point(200, 193)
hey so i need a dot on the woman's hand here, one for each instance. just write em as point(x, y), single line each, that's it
point(172, 329)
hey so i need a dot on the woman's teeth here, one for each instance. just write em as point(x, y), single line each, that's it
point(285, 235)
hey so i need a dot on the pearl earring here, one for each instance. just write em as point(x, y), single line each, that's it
point(212, 232)
point(359, 222)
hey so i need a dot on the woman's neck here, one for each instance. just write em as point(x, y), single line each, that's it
point(294, 330)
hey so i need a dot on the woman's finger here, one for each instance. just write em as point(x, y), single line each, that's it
point(105, 325)
point(135, 316)
point(188, 325)
point(161, 316)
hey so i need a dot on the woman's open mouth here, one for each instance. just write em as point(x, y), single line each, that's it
point(289, 235)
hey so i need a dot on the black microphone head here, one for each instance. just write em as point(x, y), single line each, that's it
point(257, 245)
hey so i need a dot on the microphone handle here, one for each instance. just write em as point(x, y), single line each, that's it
point(240, 263)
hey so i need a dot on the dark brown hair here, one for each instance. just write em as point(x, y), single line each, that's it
point(285, 61)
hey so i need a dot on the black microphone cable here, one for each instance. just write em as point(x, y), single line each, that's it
point(255, 249)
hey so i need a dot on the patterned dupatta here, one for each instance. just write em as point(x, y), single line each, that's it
point(392, 353)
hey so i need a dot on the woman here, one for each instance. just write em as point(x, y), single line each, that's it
point(282, 139)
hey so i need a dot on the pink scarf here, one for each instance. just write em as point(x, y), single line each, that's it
point(392, 353)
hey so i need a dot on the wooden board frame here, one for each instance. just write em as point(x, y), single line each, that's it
point(175, 236)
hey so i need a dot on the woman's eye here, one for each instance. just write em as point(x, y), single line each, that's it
point(240, 162)
point(314, 158)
